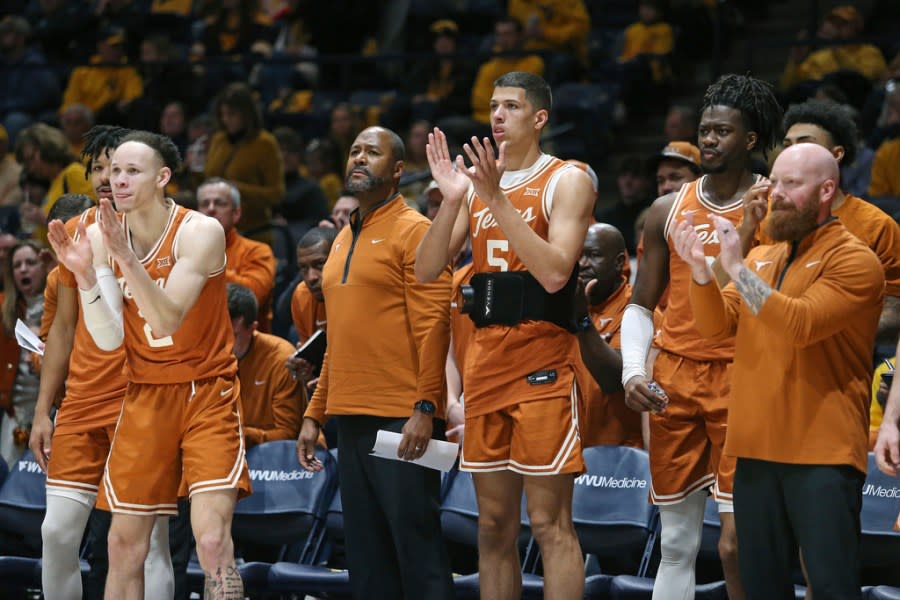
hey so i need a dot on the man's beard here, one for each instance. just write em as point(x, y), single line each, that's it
point(792, 224)
point(369, 183)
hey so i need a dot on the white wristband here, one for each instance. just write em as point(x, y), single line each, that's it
point(637, 335)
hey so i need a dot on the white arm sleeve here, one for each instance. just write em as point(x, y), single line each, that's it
point(102, 307)
point(637, 334)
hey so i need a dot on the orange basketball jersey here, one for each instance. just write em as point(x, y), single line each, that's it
point(678, 334)
point(500, 358)
point(96, 382)
point(202, 346)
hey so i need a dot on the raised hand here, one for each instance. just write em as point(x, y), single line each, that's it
point(756, 203)
point(452, 182)
point(730, 254)
point(486, 168)
point(76, 256)
point(690, 248)
point(113, 231)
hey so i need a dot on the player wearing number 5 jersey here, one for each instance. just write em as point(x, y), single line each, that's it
point(526, 213)
point(164, 300)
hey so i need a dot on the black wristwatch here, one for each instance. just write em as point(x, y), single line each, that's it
point(425, 407)
point(584, 323)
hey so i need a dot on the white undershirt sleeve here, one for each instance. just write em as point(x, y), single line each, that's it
point(637, 334)
point(102, 308)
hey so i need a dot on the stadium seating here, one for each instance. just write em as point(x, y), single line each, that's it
point(880, 544)
point(882, 592)
point(612, 516)
point(580, 108)
point(316, 575)
point(287, 506)
point(459, 525)
point(23, 501)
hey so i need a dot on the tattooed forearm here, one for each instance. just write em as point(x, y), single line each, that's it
point(223, 584)
point(753, 290)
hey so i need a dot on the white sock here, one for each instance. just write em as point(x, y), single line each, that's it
point(61, 532)
point(682, 525)
point(159, 580)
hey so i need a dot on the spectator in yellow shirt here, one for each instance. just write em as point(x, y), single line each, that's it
point(109, 84)
point(560, 25)
point(46, 154)
point(880, 388)
point(645, 53)
point(649, 38)
point(842, 23)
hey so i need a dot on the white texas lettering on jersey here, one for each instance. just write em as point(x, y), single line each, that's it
point(484, 219)
point(126, 291)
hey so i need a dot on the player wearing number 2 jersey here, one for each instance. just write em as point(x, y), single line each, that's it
point(526, 214)
point(180, 423)
point(83, 429)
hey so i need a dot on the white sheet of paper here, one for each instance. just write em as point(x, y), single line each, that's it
point(439, 455)
point(27, 339)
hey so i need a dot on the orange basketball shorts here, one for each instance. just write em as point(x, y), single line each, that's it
point(77, 460)
point(175, 434)
point(686, 441)
point(538, 437)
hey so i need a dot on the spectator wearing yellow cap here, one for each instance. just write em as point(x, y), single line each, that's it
point(842, 24)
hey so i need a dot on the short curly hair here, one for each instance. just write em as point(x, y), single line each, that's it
point(834, 118)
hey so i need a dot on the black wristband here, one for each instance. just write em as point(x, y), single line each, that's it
point(584, 323)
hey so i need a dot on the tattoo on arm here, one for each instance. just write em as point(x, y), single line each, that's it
point(224, 584)
point(753, 290)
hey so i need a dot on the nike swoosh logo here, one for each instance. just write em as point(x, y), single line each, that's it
point(761, 263)
point(320, 323)
point(259, 381)
point(378, 241)
point(812, 263)
point(226, 392)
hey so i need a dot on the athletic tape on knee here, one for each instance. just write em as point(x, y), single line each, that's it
point(682, 525)
point(637, 334)
point(102, 307)
point(61, 533)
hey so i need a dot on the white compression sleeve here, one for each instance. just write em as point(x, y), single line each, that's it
point(159, 580)
point(682, 526)
point(637, 334)
point(61, 533)
point(102, 307)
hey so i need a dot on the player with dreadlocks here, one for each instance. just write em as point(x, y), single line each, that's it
point(84, 426)
point(687, 394)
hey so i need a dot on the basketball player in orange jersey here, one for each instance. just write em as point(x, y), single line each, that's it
point(83, 430)
point(180, 418)
point(687, 432)
point(526, 214)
